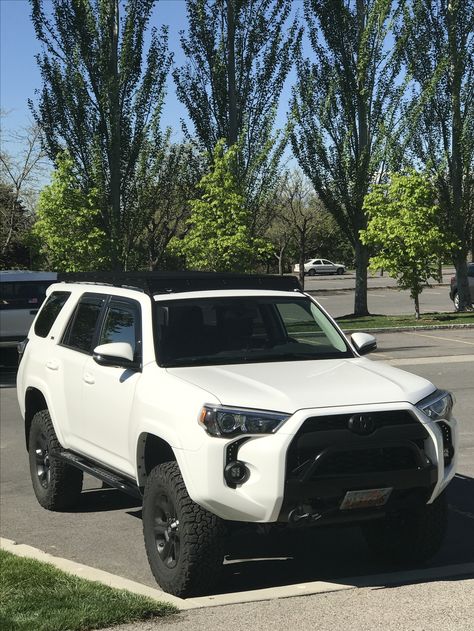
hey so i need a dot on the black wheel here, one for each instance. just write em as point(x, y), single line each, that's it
point(412, 536)
point(56, 484)
point(456, 301)
point(340, 271)
point(184, 543)
point(312, 272)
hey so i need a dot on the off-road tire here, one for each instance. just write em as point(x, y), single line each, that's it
point(199, 551)
point(412, 536)
point(56, 484)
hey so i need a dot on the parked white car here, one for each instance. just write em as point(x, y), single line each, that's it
point(223, 400)
point(320, 266)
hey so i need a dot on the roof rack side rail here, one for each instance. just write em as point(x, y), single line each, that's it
point(172, 282)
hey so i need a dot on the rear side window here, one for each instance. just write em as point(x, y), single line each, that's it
point(80, 332)
point(50, 312)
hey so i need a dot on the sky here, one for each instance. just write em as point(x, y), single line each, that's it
point(19, 75)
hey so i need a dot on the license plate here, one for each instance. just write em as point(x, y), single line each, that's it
point(365, 499)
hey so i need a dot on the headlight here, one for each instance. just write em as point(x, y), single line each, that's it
point(228, 422)
point(437, 406)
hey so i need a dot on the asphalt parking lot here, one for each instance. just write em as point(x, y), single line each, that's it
point(104, 531)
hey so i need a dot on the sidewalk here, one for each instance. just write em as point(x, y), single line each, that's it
point(434, 605)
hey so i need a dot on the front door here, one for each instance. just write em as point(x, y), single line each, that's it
point(108, 391)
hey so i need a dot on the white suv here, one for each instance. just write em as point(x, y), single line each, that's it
point(222, 399)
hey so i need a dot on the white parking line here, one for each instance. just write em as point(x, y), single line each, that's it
point(447, 359)
point(438, 337)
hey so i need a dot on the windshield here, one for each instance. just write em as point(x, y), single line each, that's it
point(210, 331)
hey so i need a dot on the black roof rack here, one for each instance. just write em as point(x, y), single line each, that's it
point(171, 282)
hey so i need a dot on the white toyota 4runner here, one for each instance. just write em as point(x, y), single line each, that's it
point(222, 399)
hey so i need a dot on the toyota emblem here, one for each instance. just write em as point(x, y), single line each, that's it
point(361, 424)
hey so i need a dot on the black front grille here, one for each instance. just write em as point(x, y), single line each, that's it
point(326, 446)
point(341, 421)
point(366, 461)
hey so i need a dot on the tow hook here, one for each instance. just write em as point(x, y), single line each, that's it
point(298, 518)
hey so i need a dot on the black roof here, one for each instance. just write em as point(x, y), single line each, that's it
point(170, 282)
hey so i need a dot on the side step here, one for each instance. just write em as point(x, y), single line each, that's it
point(117, 481)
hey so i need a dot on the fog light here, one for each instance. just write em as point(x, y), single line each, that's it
point(236, 473)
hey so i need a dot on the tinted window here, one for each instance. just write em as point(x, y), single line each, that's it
point(470, 270)
point(23, 295)
point(81, 329)
point(50, 312)
point(122, 324)
point(239, 330)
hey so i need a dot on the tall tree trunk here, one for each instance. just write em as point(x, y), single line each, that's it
point(416, 298)
point(363, 149)
point(456, 169)
point(361, 265)
point(115, 135)
point(233, 127)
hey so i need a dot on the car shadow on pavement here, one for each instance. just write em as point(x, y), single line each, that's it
point(104, 499)
point(330, 554)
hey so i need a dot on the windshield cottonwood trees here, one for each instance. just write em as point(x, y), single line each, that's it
point(239, 53)
point(344, 105)
point(101, 91)
point(438, 48)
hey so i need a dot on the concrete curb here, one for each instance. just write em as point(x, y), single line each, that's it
point(401, 329)
point(323, 290)
point(270, 593)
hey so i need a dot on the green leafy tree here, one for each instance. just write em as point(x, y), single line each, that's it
point(345, 110)
point(219, 238)
point(437, 38)
point(404, 229)
point(101, 94)
point(239, 53)
point(66, 225)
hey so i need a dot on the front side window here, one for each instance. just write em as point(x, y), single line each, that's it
point(213, 331)
point(80, 332)
point(122, 324)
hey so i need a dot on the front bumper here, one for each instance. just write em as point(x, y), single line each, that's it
point(277, 483)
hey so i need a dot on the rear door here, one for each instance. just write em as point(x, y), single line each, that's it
point(65, 366)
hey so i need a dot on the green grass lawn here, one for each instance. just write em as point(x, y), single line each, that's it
point(36, 596)
point(365, 323)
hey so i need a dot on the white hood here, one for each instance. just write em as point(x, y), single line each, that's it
point(295, 385)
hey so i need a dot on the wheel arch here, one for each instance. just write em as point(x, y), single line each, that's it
point(151, 451)
point(35, 401)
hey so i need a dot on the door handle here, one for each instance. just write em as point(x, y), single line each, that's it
point(52, 365)
point(88, 378)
